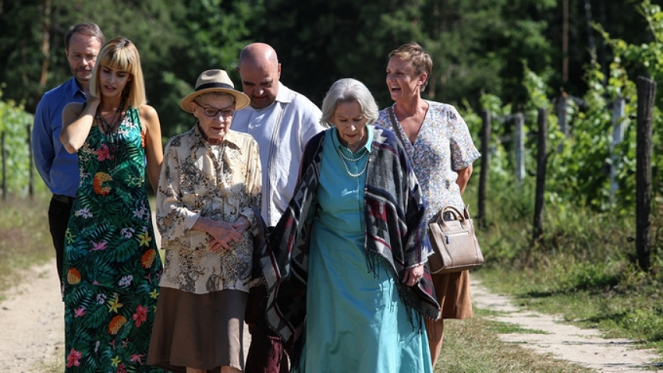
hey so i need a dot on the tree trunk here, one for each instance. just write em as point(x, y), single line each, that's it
point(45, 43)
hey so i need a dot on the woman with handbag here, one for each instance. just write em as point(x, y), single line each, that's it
point(441, 150)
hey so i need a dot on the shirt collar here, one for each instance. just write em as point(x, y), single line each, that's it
point(73, 89)
point(284, 95)
point(367, 146)
point(229, 139)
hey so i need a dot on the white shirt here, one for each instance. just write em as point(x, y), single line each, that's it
point(281, 129)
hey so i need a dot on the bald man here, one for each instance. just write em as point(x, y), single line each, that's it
point(282, 121)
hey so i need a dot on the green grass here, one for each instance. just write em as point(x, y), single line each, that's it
point(472, 345)
point(584, 268)
point(582, 271)
point(25, 239)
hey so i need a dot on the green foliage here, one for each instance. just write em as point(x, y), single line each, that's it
point(584, 265)
point(579, 164)
point(14, 124)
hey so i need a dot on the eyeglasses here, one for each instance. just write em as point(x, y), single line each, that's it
point(213, 112)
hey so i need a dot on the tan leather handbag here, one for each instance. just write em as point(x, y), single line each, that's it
point(455, 245)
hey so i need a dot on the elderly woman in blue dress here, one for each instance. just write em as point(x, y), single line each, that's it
point(349, 290)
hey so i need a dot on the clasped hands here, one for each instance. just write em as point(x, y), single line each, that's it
point(225, 235)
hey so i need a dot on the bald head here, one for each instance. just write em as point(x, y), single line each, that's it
point(258, 54)
point(260, 71)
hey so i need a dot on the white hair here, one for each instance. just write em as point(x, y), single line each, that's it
point(349, 90)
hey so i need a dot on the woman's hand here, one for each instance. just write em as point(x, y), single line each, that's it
point(92, 101)
point(240, 226)
point(224, 236)
point(413, 275)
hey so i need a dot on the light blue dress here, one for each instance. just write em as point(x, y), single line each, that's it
point(355, 320)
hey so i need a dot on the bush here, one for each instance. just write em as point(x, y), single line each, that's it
point(15, 124)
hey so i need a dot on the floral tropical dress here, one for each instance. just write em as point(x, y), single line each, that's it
point(112, 266)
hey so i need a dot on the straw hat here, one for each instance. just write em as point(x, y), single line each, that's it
point(215, 81)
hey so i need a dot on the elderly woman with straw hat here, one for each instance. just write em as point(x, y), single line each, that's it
point(208, 191)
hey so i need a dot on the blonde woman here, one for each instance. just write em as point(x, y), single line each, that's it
point(111, 267)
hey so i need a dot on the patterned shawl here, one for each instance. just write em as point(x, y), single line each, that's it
point(395, 232)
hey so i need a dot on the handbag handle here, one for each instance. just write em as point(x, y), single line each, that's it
point(455, 213)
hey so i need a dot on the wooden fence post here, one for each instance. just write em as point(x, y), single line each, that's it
point(4, 166)
point(618, 126)
point(643, 188)
point(31, 180)
point(541, 160)
point(519, 146)
point(483, 176)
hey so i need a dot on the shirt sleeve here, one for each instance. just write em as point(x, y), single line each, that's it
point(463, 151)
point(253, 186)
point(311, 124)
point(174, 219)
point(42, 142)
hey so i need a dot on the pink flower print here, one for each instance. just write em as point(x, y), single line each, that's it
point(98, 246)
point(121, 369)
point(126, 280)
point(73, 358)
point(135, 358)
point(103, 153)
point(79, 312)
point(140, 315)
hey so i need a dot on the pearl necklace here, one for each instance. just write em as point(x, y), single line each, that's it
point(344, 158)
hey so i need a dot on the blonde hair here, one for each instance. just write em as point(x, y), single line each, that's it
point(121, 54)
point(420, 60)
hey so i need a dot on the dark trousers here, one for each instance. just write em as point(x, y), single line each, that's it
point(266, 353)
point(58, 218)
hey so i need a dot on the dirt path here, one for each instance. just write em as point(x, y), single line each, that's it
point(32, 321)
point(582, 346)
point(32, 330)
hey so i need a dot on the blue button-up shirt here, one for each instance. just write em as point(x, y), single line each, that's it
point(57, 167)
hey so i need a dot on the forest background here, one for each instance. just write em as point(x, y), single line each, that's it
point(504, 56)
point(478, 46)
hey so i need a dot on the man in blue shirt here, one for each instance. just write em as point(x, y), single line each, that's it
point(57, 167)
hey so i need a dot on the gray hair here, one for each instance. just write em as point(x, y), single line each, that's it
point(348, 90)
